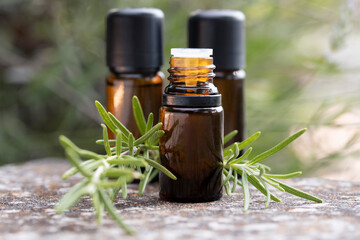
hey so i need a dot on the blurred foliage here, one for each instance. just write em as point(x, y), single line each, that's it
point(52, 67)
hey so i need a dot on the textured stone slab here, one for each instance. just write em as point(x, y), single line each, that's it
point(28, 193)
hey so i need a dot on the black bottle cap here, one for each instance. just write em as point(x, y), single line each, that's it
point(221, 30)
point(134, 40)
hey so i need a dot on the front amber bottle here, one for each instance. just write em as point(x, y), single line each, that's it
point(192, 118)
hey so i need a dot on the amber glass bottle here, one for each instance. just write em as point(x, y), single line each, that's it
point(134, 57)
point(192, 118)
point(223, 31)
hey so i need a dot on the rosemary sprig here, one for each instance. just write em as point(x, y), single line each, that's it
point(105, 175)
point(252, 171)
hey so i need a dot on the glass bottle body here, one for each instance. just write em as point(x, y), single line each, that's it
point(192, 117)
point(191, 148)
point(120, 89)
point(231, 84)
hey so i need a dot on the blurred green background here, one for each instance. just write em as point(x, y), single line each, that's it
point(303, 62)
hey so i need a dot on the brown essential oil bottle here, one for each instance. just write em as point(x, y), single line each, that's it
point(134, 56)
point(192, 118)
point(224, 32)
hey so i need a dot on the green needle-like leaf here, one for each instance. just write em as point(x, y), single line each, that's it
point(124, 190)
point(139, 115)
point(119, 172)
point(249, 140)
point(272, 183)
point(76, 162)
point(71, 197)
point(154, 139)
point(230, 135)
point(143, 182)
point(227, 177)
point(112, 211)
point(255, 182)
point(105, 117)
point(298, 192)
point(244, 156)
point(67, 143)
point(128, 160)
point(98, 206)
point(113, 141)
point(227, 188)
point(234, 182)
point(283, 176)
point(267, 192)
point(118, 143)
point(89, 165)
point(245, 186)
point(131, 144)
point(276, 148)
point(150, 122)
point(106, 140)
point(148, 134)
point(119, 125)
point(160, 168)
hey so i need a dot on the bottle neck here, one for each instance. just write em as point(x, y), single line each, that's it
point(191, 76)
point(191, 83)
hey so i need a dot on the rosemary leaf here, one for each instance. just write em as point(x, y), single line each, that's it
point(283, 176)
point(234, 182)
point(245, 155)
point(75, 160)
point(98, 206)
point(161, 168)
point(230, 135)
point(118, 143)
point(276, 148)
point(119, 125)
point(148, 134)
point(139, 115)
point(143, 182)
point(154, 139)
point(245, 186)
point(249, 140)
point(298, 192)
point(67, 143)
point(105, 117)
point(267, 192)
point(119, 183)
point(71, 197)
point(227, 177)
point(131, 144)
point(150, 122)
point(128, 160)
point(119, 172)
point(106, 140)
point(90, 165)
point(112, 211)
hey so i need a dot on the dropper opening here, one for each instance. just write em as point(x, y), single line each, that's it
point(192, 52)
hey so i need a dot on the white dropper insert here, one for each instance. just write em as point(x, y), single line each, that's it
point(191, 52)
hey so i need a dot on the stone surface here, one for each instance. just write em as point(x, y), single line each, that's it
point(28, 193)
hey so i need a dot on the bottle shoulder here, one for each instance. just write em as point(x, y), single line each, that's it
point(139, 78)
point(178, 109)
